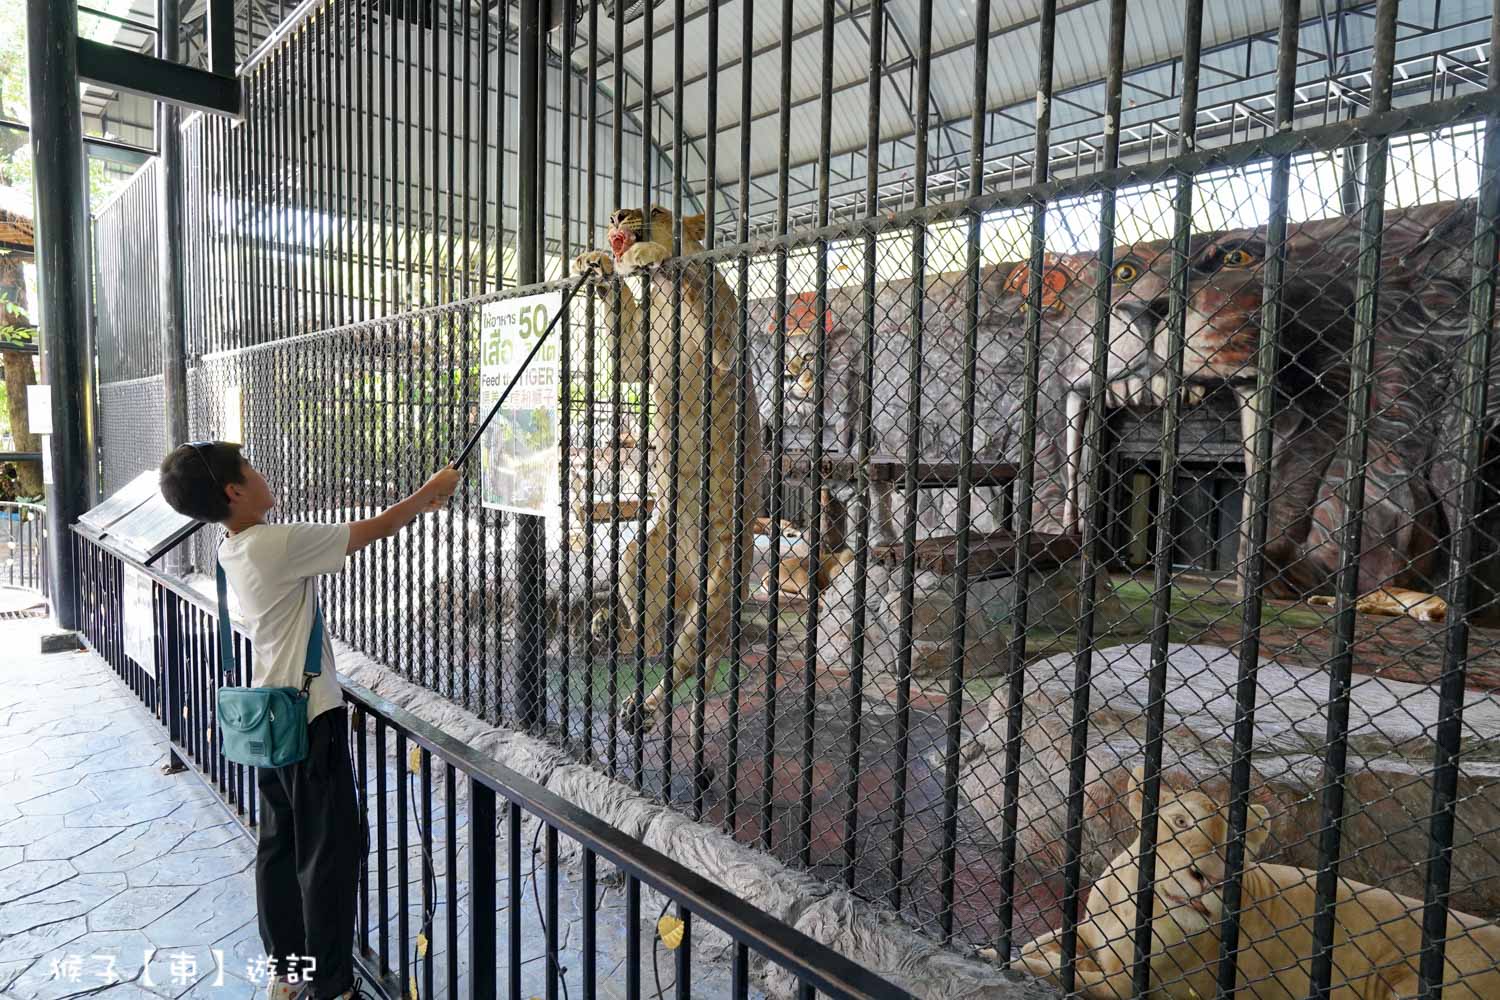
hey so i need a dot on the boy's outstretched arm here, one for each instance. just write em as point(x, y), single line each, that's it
point(430, 496)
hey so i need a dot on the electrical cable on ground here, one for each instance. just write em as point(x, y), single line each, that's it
point(537, 897)
point(429, 877)
point(429, 894)
point(656, 948)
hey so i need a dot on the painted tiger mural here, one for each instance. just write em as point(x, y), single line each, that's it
point(1412, 478)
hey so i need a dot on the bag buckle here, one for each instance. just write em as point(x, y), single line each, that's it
point(307, 680)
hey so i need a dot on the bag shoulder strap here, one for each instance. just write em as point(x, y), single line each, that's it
point(313, 664)
point(226, 636)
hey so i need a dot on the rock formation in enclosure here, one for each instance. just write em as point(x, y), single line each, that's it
point(1053, 582)
point(999, 377)
point(684, 328)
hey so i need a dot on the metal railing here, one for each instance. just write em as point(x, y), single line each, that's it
point(484, 812)
point(23, 546)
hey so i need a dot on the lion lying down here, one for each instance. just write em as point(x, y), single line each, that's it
point(1377, 937)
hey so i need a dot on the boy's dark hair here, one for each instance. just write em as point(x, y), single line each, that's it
point(193, 477)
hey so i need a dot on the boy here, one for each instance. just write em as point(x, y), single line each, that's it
point(311, 839)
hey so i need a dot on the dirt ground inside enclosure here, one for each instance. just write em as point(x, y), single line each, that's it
point(1299, 634)
point(1293, 634)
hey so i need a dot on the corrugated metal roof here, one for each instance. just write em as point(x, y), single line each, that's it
point(1153, 34)
point(1236, 72)
point(1153, 42)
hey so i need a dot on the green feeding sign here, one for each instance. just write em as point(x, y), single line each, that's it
point(520, 449)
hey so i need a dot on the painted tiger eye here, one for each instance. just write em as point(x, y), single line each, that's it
point(1238, 258)
point(1126, 271)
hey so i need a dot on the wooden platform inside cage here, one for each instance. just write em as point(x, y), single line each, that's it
point(602, 511)
point(991, 553)
point(889, 469)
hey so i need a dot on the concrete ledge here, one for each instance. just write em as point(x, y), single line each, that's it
point(864, 933)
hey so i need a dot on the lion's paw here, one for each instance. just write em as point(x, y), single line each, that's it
point(601, 261)
point(1043, 957)
point(642, 256)
point(1193, 393)
point(632, 716)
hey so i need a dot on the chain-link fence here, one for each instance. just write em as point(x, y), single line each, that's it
point(130, 414)
point(1059, 548)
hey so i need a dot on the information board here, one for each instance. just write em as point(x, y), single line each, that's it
point(139, 625)
point(122, 502)
point(137, 522)
point(520, 456)
point(39, 409)
point(150, 529)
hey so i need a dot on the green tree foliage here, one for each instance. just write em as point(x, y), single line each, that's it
point(15, 152)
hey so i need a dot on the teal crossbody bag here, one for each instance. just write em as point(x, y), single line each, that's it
point(263, 726)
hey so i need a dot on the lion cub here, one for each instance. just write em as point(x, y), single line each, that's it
point(1377, 936)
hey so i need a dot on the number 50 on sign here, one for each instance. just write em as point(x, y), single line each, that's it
point(520, 449)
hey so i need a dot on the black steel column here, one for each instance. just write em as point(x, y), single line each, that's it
point(172, 697)
point(221, 55)
point(482, 861)
point(528, 153)
point(169, 258)
point(62, 258)
point(531, 533)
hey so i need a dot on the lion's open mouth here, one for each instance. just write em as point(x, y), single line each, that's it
point(620, 240)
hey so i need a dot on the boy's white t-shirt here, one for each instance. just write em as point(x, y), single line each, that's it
point(272, 569)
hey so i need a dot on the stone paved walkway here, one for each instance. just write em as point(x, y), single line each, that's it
point(115, 879)
point(118, 880)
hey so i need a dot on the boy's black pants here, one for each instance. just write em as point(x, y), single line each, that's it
point(307, 863)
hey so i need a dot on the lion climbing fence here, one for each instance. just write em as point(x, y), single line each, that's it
point(897, 456)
